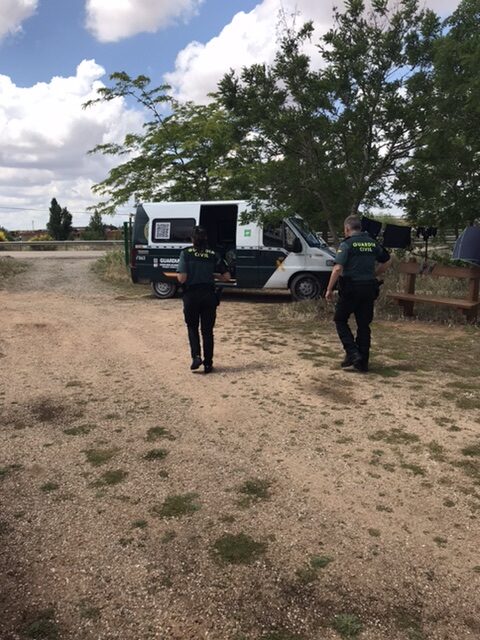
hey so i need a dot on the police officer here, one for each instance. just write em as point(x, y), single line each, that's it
point(197, 269)
point(356, 271)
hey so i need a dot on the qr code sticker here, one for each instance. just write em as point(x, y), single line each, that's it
point(162, 230)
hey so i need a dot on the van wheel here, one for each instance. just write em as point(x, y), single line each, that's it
point(164, 290)
point(305, 287)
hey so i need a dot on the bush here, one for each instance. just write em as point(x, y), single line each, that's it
point(42, 237)
point(3, 236)
point(111, 267)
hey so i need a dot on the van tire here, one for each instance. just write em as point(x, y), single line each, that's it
point(305, 286)
point(164, 290)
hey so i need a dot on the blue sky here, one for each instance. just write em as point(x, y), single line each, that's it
point(54, 40)
point(55, 54)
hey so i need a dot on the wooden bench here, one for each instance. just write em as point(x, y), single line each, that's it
point(407, 299)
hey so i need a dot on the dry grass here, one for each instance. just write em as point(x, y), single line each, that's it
point(111, 268)
point(10, 267)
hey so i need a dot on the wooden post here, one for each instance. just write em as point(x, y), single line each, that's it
point(409, 288)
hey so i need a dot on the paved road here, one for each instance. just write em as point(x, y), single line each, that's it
point(29, 255)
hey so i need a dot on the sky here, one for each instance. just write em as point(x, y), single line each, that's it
point(55, 54)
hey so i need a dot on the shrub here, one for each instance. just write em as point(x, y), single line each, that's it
point(42, 237)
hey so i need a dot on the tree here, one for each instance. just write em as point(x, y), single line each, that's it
point(186, 152)
point(60, 221)
point(95, 229)
point(330, 139)
point(441, 181)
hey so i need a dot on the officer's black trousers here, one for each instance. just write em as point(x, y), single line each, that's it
point(357, 298)
point(200, 308)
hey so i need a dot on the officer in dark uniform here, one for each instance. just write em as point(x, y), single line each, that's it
point(197, 269)
point(356, 271)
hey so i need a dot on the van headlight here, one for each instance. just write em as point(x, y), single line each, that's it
point(330, 263)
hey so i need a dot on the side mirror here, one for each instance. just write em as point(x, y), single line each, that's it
point(296, 246)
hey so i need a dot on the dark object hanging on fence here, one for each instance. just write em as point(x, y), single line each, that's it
point(372, 227)
point(426, 233)
point(397, 237)
point(467, 247)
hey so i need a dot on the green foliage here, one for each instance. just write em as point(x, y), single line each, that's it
point(238, 549)
point(326, 141)
point(442, 180)
point(95, 229)
point(188, 154)
point(59, 224)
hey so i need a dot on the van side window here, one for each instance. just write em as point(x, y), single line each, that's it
point(172, 230)
point(273, 235)
point(289, 238)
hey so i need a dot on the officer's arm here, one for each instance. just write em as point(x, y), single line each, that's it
point(382, 267)
point(337, 271)
point(225, 277)
point(182, 269)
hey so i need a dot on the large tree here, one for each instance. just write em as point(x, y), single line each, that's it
point(329, 138)
point(59, 224)
point(186, 151)
point(441, 182)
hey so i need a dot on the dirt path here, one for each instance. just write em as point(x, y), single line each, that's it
point(123, 476)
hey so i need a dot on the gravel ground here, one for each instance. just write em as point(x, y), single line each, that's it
point(354, 498)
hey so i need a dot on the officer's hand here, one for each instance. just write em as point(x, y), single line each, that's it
point(329, 296)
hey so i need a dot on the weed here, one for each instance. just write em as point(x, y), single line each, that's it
point(156, 433)
point(5, 528)
point(139, 524)
point(468, 402)
point(448, 503)
point(375, 533)
point(177, 505)
point(41, 625)
point(238, 549)
point(111, 477)
point(440, 541)
point(155, 454)
point(47, 410)
point(97, 457)
point(3, 472)
point(49, 486)
point(347, 625)
point(320, 562)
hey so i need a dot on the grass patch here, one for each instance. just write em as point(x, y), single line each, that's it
point(168, 536)
point(111, 268)
point(11, 267)
point(416, 469)
point(97, 457)
point(41, 625)
point(254, 490)
point(155, 454)
point(88, 612)
point(468, 402)
point(49, 486)
point(347, 625)
point(472, 450)
point(238, 549)
point(310, 573)
point(177, 506)
point(156, 433)
point(81, 430)
point(394, 436)
point(375, 533)
point(139, 524)
point(111, 477)
point(47, 410)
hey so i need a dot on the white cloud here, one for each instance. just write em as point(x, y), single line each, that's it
point(112, 20)
point(249, 38)
point(46, 135)
point(13, 13)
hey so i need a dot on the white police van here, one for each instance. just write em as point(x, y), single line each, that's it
point(286, 255)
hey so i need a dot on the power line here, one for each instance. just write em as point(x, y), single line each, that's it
point(89, 213)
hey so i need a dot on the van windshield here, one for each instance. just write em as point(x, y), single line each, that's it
point(307, 234)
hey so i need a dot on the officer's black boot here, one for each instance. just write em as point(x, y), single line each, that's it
point(354, 358)
point(196, 363)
